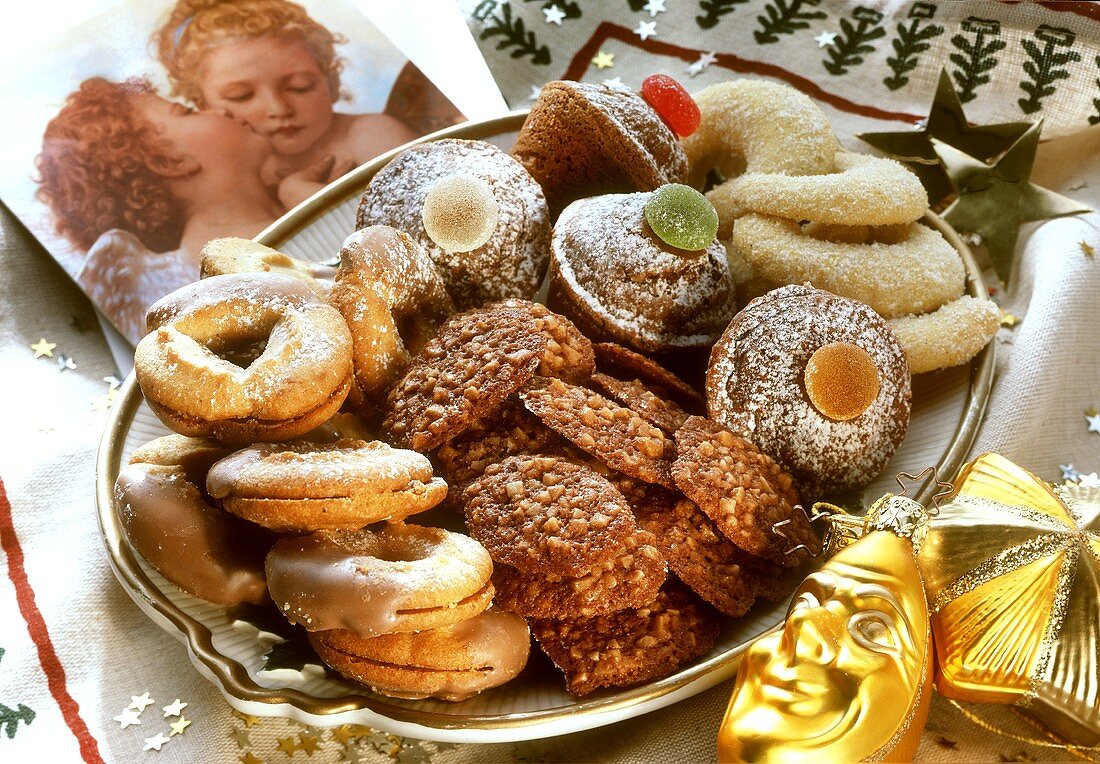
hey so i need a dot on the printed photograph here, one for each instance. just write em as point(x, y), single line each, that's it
point(159, 126)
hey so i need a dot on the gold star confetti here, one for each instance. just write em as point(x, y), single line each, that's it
point(343, 734)
point(248, 719)
point(43, 348)
point(251, 758)
point(174, 708)
point(139, 702)
point(104, 402)
point(179, 725)
point(1009, 319)
point(154, 743)
point(604, 60)
point(287, 745)
point(1087, 249)
point(308, 743)
point(241, 736)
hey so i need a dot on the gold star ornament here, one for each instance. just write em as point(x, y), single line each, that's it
point(604, 60)
point(995, 199)
point(43, 348)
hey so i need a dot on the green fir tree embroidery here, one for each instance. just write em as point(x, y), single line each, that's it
point(785, 17)
point(714, 10)
point(1095, 118)
point(571, 10)
point(912, 40)
point(975, 57)
point(10, 718)
point(852, 43)
point(1046, 66)
point(513, 32)
point(636, 5)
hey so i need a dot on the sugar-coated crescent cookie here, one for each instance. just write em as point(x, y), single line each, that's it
point(309, 486)
point(949, 336)
point(913, 270)
point(864, 190)
point(450, 663)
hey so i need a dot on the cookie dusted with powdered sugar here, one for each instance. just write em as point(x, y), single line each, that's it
point(818, 382)
point(511, 263)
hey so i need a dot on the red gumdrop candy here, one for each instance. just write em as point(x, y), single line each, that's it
point(672, 103)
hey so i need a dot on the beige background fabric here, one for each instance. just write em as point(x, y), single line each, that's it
point(1048, 374)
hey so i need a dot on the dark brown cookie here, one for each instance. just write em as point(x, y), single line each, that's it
point(629, 647)
point(510, 431)
point(463, 375)
point(717, 570)
point(742, 490)
point(637, 397)
point(547, 515)
point(624, 363)
point(629, 580)
point(612, 433)
point(569, 354)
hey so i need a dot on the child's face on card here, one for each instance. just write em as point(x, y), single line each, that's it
point(274, 84)
point(211, 137)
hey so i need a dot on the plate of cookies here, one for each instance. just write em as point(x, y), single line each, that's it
point(512, 432)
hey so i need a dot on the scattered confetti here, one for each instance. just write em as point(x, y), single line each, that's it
point(113, 382)
point(653, 7)
point(249, 720)
point(64, 362)
point(945, 742)
point(104, 402)
point(1087, 249)
point(179, 725)
point(251, 758)
point(604, 60)
point(154, 743)
point(536, 91)
point(1093, 418)
point(308, 743)
point(127, 718)
point(43, 348)
point(646, 29)
point(704, 60)
point(240, 736)
point(553, 14)
point(1009, 319)
point(615, 82)
point(173, 708)
point(1092, 480)
point(343, 734)
point(1069, 472)
point(140, 702)
point(351, 755)
point(287, 745)
point(412, 753)
point(825, 39)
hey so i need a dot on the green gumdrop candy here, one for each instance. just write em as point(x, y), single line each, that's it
point(682, 217)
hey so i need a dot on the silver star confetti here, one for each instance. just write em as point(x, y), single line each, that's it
point(825, 39)
point(65, 362)
point(174, 708)
point(615, 82)
point(139, 702)
point(113, 382)
point(535, 92)
point(154, 743)
point(704, 60)
point(553, 15)
point(646, 29)
point(1092, 480)
point(653, 7)
point(1069, 472)
point(127, 718)
point(1094, 422)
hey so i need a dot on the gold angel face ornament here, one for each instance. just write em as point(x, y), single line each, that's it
point(848, 678)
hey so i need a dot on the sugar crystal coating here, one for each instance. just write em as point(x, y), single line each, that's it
point(460, 213)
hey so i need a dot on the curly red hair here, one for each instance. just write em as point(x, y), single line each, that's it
point(103, 166)
point(195, 26)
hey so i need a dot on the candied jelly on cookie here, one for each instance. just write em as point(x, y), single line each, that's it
point(460, 213)
point(673, 104)
point(681, 217)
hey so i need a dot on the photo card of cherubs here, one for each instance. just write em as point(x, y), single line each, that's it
point(156, 126)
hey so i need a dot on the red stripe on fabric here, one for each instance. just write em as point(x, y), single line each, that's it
point(607, 30)
point(1090, 10)
point(36, 626)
